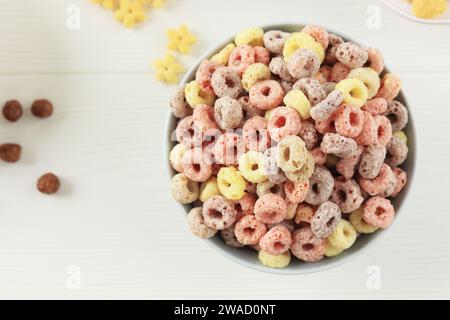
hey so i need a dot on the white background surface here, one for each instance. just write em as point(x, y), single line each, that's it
point(114, 217)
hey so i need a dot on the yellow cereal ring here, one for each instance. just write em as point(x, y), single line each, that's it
point(251, 36)
point(303, 40)
point(402, 136)
point(223, 55)
point(267, 114)
point(343, 236)
point(231, 183)
point(254, 73)
point(428, 9)
point(271, 261)
point(359, 224)
point(208, 189)
point(297, 100)
point(370, 79)
point(251, 166)
point(354, 91)
point(330, 250)
point(196, 96)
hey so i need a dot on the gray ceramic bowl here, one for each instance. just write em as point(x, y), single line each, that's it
point(249, 257)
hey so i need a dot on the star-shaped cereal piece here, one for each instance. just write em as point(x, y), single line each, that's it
point(107, 4)
point(168, 69)
point(181, 39)
point(130, 12)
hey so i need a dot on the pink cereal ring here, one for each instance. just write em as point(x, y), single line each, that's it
point(324, 74)
point(368, 133)
point(303, 63)
point(245, 205)
point(319, 34)
point(383, 129)
point(352, 55)
point(375, 61)
point(402, 178)
point(379, 212)
point(205, 72)
point(227, 82)
point(203, 117)
point(242, 57)
point(306, 246)
point(276, 241)
point(339, 72)
point(255, 134)
point(185, 132)
point(376, 106)
point(390, 87)
point(228, 148)
point(347, 166)
point(262, 55)
point(349, 121)
point(397, 152)
point(372, 160)
point(312, 88)
point(197, 165)
point(296, 192)
point(249, 230)
point(309, 135)
point(378, 184)
point(249, 109)
point(319, 157)
point(266, 95)
point(283, 122)
point(326, 126)
point(270, 208)
point(218, 213)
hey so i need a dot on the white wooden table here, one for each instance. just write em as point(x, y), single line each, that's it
point(114, 226)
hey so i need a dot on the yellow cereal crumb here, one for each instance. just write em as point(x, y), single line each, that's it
point(223, 55)
point(130, 12)
point(429, 9)
point(181, 39)
point(208, 189)
point(168, 69)
point(251, 36)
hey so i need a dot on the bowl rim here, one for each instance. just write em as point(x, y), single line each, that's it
point(324, 264)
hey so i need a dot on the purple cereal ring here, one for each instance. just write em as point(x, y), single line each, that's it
point(320, 186)
point(229, 237)
point(349, 121)
point(228, 113)
point(205, 72)
point(378, 184)
point(274, 40)
point(378, 212)
point(306, 246)
point(228, 148)
point(376, 106)
point(249, 230)
point(326, 219)
point(397, 114)
point(375, 60)
point(309, 135)
point(402, 179)
point(352, 55)
point(392, 184)
point(320, 34)
point(266, 95)
point(339, 72)
point(368, 133)
point(249, 109)
point(279, 67)
point(197, 165)
point(347, 166)
point(245, 205)
point(347, 195)
point(276, 241)
point(383, 130)
point(397, 152)
point(296, 192)
point(203, 117)
point(371, 161)
point(390, 87)
point(219, 213)
point(197, 224)
point(270, 208)
point(255, 134)
point(312, 89)
point(185, 132)
point(283, 122)
point(303, 63)
point(178, 104)
point(242, 57)
point(227, 82)
point(324, 109)
point(338, 145)
point(262, 55)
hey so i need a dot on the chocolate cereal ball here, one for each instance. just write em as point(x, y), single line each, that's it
point(42, 108)
point(48, 183)
point(12, 110)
